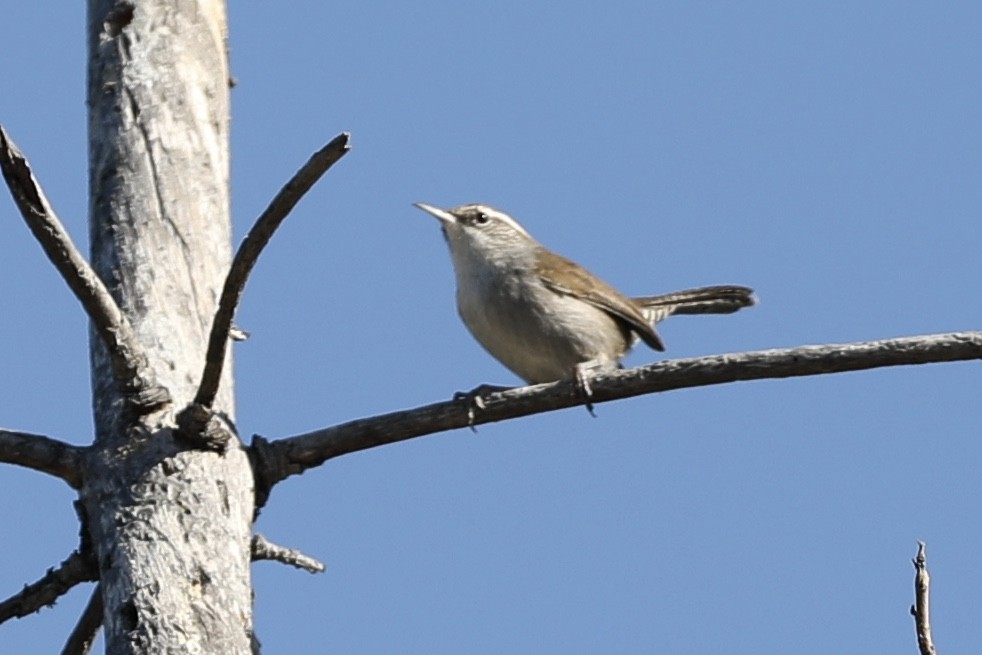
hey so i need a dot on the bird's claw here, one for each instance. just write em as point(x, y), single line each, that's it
point(582, 382)
point(475, 400)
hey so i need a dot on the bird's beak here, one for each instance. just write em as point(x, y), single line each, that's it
point(443, 215)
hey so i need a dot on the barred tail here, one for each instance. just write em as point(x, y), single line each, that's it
point(704, 300)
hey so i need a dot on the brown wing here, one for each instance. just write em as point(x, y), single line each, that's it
point(569, 278)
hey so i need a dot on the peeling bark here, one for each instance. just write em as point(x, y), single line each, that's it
point(170, 524)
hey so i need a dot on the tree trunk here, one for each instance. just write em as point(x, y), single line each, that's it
point(170, 524)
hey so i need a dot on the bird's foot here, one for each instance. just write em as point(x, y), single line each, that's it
point(581, 378)
point(475, 400)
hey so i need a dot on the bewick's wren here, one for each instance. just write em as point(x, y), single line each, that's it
point(545, 317)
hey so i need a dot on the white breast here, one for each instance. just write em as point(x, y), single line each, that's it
point(537, 333)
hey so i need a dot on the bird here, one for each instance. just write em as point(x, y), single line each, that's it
point(545, 317)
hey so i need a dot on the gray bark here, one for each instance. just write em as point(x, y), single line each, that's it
point(167, 514)
point(170, 524)
point(279, 459)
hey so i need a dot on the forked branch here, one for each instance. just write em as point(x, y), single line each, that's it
point(131, 367)
point(274, 461)
point(55, 583)
point(248, 253)
point(43, 454)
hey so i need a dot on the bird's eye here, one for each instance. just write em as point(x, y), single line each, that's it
point(481, 218)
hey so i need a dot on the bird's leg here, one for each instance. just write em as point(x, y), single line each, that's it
point(581, 377)
point(475, 399)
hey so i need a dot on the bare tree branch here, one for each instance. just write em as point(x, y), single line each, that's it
point(205, 429)
point(263, 548)
point(131, 368)
point(248, 254)
point(43, 454)
point(56, 582)
point(276, 460)
point(921, 609)
point(83, 636)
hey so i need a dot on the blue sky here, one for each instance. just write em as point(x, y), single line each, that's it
point(827, 154)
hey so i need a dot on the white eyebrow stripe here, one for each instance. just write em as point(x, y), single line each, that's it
point(511, 221)
point(492, 213)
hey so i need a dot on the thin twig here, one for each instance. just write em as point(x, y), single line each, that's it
point(921, 609)
point(274, 461)
point(83, 636)
point(56, 582)
point(131, 367)
point(263, 548)
point(249, 252)
point(43, 454)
